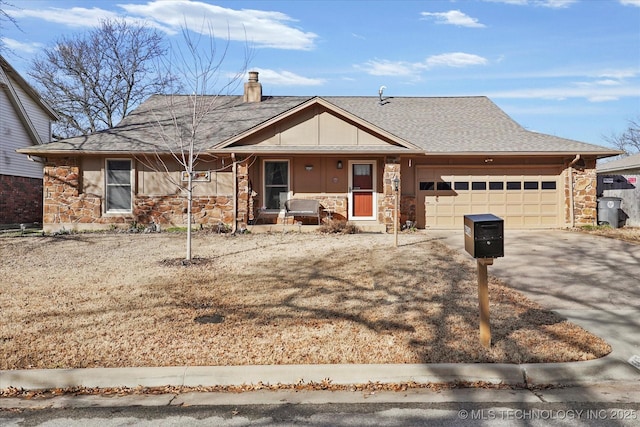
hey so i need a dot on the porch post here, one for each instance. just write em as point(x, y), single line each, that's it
point(389, 207)
point(242, 195)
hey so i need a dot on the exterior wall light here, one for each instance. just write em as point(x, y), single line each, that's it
point(339, 164)
point(396, 184)
point(309, 167)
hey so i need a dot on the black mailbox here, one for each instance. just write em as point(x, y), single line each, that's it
point(484, 236)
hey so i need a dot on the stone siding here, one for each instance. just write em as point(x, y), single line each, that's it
point(585, 204)
point(407, 209)
point(65, 206)
point(387, 201)
point(338, 205)
point(20, 200)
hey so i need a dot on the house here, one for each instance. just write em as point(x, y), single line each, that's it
point(453, 156)
point(25, 120)
point(619, 178)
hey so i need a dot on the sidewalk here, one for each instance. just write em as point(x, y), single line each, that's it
point(563, 271)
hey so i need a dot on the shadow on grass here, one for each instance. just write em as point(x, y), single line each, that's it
point(423, 294)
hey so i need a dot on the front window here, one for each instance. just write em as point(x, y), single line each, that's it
point(118, 177)
point(276, 183)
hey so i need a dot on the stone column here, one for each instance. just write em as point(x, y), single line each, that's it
point(387, 206)
point(243, 196)
point(585, 203)
point(61, 188)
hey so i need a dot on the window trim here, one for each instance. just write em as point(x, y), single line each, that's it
point(264, 179)
point(107, 185)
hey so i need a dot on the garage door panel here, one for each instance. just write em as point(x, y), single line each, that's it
point(463, 198)
point(531, 200)
point(515, 210)
point(444, 209)
point(499, 210)
point(461, 210)
point(549, 221)
point(480, 198)
point(514, 197)
point(513, 222)
point(547, 197)
point(548, 209)
point(497, 198)
point(531, 208)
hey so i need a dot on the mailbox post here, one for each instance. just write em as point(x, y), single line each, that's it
point(484, 240)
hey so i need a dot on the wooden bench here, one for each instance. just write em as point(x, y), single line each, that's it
point(302, 207)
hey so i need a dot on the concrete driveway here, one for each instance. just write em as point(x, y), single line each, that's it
point(593, 281)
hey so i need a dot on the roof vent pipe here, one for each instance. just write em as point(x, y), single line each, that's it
point(380, 91)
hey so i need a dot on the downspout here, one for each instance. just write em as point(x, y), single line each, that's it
point(572, 215)
point(234, 171)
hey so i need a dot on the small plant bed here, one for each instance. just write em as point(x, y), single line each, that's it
point(109, 300)
point(628, 234)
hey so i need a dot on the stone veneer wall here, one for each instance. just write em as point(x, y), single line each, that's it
point(336, 203)
point(407, 209)
point(386, 203)
point(585, 204)
point(245, 199)
point(65, 206)
point(20, 199)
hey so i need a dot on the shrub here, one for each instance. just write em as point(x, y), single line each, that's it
point(338, 227)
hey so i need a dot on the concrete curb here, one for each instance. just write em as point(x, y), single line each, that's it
point(570, 373)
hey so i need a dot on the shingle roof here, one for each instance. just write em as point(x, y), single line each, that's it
point(619, 165)
point(431, 125)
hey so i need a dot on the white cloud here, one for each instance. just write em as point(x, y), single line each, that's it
point(259, 28)
point(593, 93)
point(73, 17)
point(454, 17)
point(622, 73)
point(630, 2)
point(607, 82)
point(555, 4)
point(455, 59)
point(18, 46)
point(286, 78)
point(383, 67)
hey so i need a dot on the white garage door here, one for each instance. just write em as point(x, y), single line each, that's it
point(523, 198)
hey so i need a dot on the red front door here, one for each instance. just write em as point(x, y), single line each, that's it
point(362, 189)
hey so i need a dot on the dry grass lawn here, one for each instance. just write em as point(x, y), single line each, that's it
point(111, 300)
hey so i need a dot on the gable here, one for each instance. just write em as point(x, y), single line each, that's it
point(316, 126)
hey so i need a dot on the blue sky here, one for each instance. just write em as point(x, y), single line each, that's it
point(569, 68)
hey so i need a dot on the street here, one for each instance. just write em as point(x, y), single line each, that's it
point(598, 404)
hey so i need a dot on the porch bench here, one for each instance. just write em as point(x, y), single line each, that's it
point(302, 207)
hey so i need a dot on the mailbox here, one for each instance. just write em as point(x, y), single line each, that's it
point(484, 236)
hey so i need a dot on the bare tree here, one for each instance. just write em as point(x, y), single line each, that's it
point(184, 117)
point(96, 78)
point(6, 17)
point(629, 140)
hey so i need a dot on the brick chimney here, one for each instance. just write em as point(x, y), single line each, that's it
point(253, 88)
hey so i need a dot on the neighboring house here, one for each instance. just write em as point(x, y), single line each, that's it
point(454, 156)
point(620, 178)
point(25, 120)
